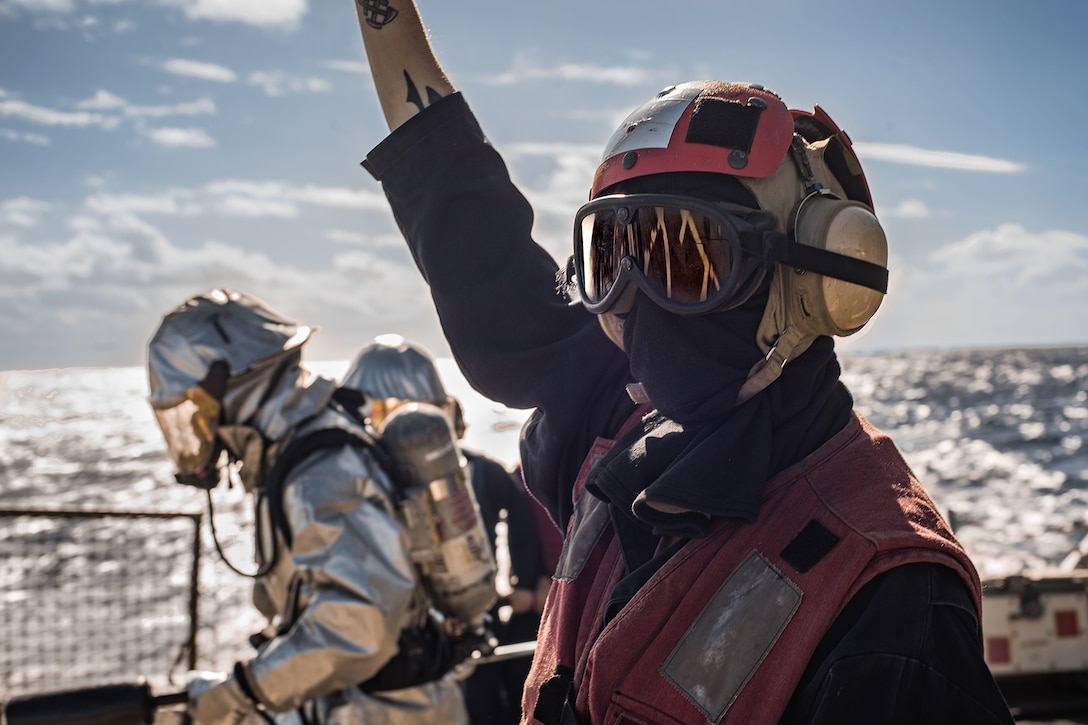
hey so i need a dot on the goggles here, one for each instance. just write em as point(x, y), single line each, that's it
point(687, 255)
point(189, 429)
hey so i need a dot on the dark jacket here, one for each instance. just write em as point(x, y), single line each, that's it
point(519, 342)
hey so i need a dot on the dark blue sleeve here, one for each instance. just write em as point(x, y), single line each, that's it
point(499, 490)
point(516, 339)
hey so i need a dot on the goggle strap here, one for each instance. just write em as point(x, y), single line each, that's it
point(830, 264)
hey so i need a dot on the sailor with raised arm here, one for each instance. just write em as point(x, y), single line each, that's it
point(741, 546)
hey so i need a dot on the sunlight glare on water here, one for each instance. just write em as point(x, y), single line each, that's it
point(995, 436)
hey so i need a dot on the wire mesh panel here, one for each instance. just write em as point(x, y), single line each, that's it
point(89, 598)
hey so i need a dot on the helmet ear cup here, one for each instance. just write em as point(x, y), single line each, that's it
point(802, 305)
point(822, 305)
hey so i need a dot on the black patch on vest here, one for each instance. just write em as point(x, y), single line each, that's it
point(809, 546)
point(553, 699)
point(728, 124)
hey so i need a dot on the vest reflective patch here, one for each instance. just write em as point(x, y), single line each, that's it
point(590, 520)
point(721, 650)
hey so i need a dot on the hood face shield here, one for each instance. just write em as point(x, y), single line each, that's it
point(189, 429)
point(380, 409)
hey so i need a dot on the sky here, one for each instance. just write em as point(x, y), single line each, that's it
point(154, 149)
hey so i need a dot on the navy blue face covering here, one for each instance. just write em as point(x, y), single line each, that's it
point(700, 455)
point(692, 366)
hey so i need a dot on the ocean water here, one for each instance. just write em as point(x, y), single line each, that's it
point(87, 601)
point(999, 438)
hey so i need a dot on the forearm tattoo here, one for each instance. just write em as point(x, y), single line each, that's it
point(414, 96)
point(378, 13)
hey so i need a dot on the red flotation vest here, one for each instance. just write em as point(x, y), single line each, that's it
point(723, 631)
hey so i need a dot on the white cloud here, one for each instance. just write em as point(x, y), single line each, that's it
point(612, 116)
point(146, 243)
point(525, 70)
point(341, 236)
point(348, 66)
point(1002, 286)
point(237, 198)
point(319, 195)
point(66, 15)
point(370, 242)
point(199, 69)
point(102, 101)
point(901, 154)
point(556, 175)
point(123, 274)
point(108, 265)
point(254, 12)
point(192, 108)
point(181, 137)
point(22, 211)
point(538, 148)
point(909, 209)
point(248, 206)
point(24, 137)
point(57, 7)
point(82, 223)
point(339, 197)
point(1012, 256)
point(276, 83)
point(49, 117)
point(173, 203)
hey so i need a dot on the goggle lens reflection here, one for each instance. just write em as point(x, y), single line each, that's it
point(683, 254)
point(683, 251)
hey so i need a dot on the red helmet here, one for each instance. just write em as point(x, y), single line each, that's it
point(831, 274)
point(723, 128)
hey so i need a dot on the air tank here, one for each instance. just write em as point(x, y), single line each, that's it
point(450, 545)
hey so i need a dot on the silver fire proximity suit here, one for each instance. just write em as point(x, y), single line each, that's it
point(336, 579)
point(346, 589)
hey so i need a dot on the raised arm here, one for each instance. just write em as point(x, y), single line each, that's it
point(514, 332)
point(406, 72)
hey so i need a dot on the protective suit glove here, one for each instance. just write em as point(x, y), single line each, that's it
point(216, 698)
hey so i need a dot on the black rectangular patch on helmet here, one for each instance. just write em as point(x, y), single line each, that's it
point(809, 546)
point(724, 123)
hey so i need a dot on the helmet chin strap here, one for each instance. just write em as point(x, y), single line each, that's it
point(791, 343)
